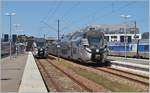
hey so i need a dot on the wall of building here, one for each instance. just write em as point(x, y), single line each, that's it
point(117, 37)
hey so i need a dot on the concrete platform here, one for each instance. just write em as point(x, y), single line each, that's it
point(11, 72)
point(131, 64)
point(143, 73)
point(32, 80)
point(129, 60)
point(21, 75)
point(139, 66)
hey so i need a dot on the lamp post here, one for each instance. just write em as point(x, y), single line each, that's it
point(10, 40)
point(17, 26)
point(58, 45)
point(125, 39)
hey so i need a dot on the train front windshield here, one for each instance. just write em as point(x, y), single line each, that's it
point(40, 44)
point(95, 41)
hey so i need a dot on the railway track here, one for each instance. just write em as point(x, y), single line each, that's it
point(83, 85)
point(144, 80)
point(127, 75)
point(49, 77)
point(86, 84)
point(71, 77)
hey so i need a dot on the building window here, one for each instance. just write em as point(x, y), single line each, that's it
point(121, 30)
point(107, 29)
point(129, 39)
point(92, 28)
point(121, 38)
point(113, 36)
point(136, 36)
point(107, 38)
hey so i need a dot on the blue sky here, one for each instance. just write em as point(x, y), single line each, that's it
point(40, 17)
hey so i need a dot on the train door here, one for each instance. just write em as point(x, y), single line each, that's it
point(75, 51)
point(71, 49)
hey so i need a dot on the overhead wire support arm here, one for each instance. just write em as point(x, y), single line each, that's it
point(49, 25)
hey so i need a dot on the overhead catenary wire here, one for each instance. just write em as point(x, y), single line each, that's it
point(49, 26)
point(83, 17)
point(105, 15)
point(96, 14)
point(49, 13)
point(55, 10)
point(100, 17)
point(118, 10)
point(70, 10)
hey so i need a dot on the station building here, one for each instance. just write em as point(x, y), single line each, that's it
point(50, 40)
point(117, 33)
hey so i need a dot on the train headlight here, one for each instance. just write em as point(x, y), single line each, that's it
point(36, 49)
point(87, 49)
point(46, 49)
point(97, 50)
point(36, 52)
point(41, 49)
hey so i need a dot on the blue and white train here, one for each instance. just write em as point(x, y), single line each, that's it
point(138, 48)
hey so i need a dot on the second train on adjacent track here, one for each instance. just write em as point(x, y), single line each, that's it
point(83, 46)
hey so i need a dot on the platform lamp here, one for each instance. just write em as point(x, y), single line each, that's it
point(126, 17)
point(10, 40)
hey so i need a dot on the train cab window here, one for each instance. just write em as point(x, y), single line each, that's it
point(77, 35)
point(95, 41)
point(64, 51)
point(78, 43)
point(40, 44)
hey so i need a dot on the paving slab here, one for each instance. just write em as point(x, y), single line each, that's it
point(11, 72)
point(129, 60)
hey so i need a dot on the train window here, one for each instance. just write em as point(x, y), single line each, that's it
point(77, 35)
point(74, 50)
point(146, 47)
point(64, 51)
point(40, 44)
point(96, 41)
point(66, 38)
point(78, 43)
point(113, 36)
